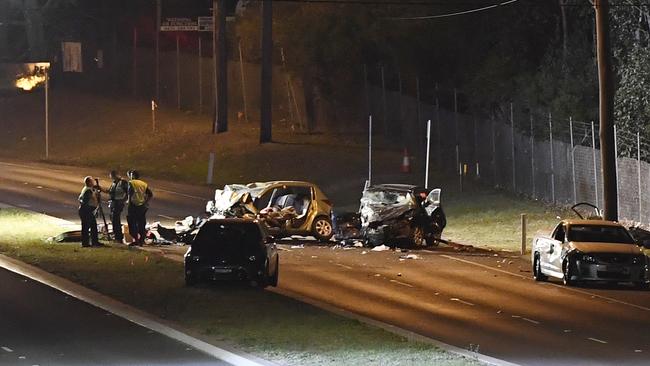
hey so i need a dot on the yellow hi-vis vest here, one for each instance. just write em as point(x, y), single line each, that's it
point(139, 196)
point(93, 196)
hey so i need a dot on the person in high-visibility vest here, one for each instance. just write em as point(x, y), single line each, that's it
point(88, 203)
point(117, 193)
point(139, 195)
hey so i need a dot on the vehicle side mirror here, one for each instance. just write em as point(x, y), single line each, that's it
point(644, 243)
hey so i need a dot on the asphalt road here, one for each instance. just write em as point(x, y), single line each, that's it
point(42, 326)
point(476, 301)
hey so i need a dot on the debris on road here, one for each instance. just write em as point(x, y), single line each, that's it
point(380, 248)
point(410, 256)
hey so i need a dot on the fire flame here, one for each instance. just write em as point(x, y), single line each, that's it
point(28, 83)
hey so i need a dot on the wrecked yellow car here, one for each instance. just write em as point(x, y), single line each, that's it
point(286, 207)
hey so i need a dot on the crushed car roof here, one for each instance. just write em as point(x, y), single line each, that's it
point(395, 187)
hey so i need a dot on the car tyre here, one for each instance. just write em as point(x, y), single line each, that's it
point(191, 280)
point(322, 229)
point(418, 236)
point(567, 271)
point(276, 275)
point(537, 269)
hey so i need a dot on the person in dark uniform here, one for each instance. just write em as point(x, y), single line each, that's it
point(87, 205)
point(139, 195)
point(117, 193)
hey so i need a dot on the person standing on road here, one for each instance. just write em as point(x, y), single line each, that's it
point(117, 199)
point(88, 203)
point(139, 195)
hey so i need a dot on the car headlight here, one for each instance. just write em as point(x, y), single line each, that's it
point(588, 258)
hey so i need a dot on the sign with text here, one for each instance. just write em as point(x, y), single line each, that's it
point(178, 25)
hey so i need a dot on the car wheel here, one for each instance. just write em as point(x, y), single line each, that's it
point(537, 269)
point(418, 237)
point(322, 228)
point(190, 280)
point(567, 271)
point(276, 276)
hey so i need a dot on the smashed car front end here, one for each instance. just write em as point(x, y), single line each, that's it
point(382, 223)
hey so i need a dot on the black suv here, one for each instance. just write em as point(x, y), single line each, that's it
point(232, 249)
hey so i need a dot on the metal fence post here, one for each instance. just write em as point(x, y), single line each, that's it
point(200, 75)
point(512, 143)
point(456, 127)
point(438, 137)
point(178, 71)
point(532, 156)
point(573, 162)
point(243, 82)
point(370, 150)
point(638, 167)
point(618, 198)
point(550, 132)
point(593, 144)
point(494, 153)
point(383, 96)
point(426, 172)
point(523, 234)
point(210, 168)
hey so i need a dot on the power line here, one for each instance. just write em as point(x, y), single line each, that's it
point(458, 13)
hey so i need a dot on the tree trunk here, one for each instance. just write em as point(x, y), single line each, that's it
point(34, 28)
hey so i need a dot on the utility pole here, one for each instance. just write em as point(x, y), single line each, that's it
point(157, 41)
point(606, 110)
point(267, 68)
point(221, 120)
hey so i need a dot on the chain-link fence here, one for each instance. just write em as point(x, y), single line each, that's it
point(536, 154)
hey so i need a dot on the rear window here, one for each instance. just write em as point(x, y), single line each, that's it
point(599, 234)
point(227, 240)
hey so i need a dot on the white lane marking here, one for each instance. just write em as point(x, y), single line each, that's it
point(530, 320)
point(182, 194)
point(461, 301)
point(638, 351)
point(567, 331)
point(343, 265)
point(39, 187)
point(7, 349)
point(21, 357)
point(402, 283)
point(597, 340)
point(167, 217)
point(593, 296)
point(24, 205)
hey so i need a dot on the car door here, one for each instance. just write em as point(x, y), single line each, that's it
point(556, 248)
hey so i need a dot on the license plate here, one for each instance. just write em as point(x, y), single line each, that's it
point(222, 270)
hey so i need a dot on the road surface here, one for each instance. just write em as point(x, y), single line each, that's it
point(42, 326)
point(476, 301)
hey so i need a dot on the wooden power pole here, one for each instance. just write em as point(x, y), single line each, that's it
point(267, 69)
point(606, 110)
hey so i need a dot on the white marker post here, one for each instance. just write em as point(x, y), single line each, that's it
point(369, 150)
point(426, 173)
point(47, 112)
point(153, 116)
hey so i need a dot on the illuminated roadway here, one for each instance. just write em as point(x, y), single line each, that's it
point(474, 301)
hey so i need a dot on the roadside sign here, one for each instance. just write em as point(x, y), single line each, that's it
point(178, 25)
point(206, 24)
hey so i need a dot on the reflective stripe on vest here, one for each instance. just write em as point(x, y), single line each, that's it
point(93, 197)
point(139, 192)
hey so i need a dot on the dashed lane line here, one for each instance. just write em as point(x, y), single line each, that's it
point(166, 217)
point(575, 290)
point(526, 319)
point(462, 301)
point(7, 349)
point(597, 340)
point(181, 194)
point(343, 265)
point(402, 283)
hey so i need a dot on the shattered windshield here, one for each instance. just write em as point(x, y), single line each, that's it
point(386, 197)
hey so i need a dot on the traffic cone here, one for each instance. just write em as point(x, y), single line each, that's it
point(406, 162)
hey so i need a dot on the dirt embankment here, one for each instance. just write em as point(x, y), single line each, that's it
point(112, 133)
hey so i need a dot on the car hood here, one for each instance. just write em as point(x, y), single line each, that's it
point(589, 247)
point(233, 194)
point(373, 212)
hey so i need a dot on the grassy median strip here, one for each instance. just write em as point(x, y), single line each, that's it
point(263, 323)
point(492, 219)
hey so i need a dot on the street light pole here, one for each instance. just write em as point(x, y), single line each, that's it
point(47, 113)
point(267, 69)
point(606, 110)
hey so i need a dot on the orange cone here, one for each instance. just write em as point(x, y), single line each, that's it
point(406, 162)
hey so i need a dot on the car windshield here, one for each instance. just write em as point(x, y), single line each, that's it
point(386, 197)
point(599, 234)
point(227, 241)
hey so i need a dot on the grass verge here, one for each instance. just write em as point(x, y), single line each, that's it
point(259, 322)
point(492, 219)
